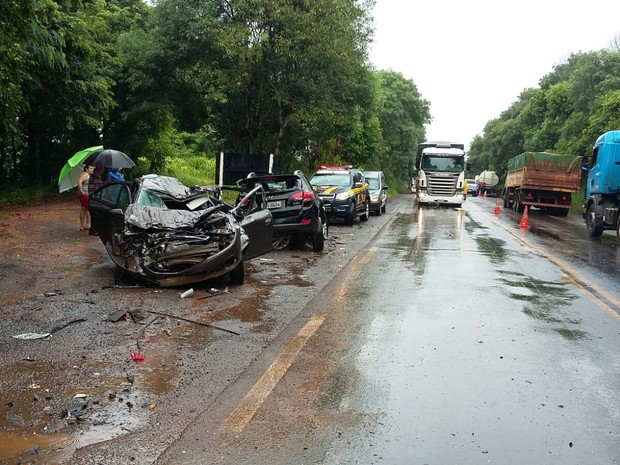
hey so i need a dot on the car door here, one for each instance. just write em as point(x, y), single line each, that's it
point(258, 225)
point(107, 209)
point(361, 193)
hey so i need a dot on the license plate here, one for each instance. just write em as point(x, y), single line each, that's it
point(275, 204)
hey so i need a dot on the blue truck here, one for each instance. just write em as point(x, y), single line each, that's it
point(602, 201)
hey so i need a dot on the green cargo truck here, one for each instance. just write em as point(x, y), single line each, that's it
point(544, 180)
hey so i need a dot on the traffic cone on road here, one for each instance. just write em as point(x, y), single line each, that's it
point(525, 223)
point(497, 208)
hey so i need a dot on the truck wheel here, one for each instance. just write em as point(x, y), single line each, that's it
point(594, 229)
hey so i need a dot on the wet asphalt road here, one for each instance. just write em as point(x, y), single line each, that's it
point(454, 337)
point(438, 336)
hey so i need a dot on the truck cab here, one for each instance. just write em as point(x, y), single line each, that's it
point(603, 185)
point(440, 173)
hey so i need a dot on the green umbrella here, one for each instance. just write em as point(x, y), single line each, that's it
point(72, 170)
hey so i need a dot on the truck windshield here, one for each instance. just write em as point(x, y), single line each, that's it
point(439, 163)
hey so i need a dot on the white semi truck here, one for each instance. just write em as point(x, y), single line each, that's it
point(440, 173)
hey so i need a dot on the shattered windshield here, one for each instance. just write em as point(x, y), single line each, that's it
point(150, 199)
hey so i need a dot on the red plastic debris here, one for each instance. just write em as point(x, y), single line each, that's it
point(137, 357)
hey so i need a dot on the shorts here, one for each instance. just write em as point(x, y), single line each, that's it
point(83, 200)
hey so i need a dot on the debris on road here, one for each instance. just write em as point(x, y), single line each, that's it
point(29, 336)
point(187, 294)
point(194, 321)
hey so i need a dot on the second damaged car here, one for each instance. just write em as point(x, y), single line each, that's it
point(160, 231)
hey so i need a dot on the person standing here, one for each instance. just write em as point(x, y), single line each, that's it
point(116, 175)
point(94, 183)
point(83, 186)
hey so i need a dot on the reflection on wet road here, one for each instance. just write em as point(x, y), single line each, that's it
point(460, 339)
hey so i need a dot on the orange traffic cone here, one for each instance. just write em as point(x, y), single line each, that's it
point(497, 208)
point(524, 220)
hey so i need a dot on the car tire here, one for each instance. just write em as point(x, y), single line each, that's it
point(384, 207)
point(237, 275)
point(318, 237)
point(350, 218)
point(366, 213)
point(281, 243)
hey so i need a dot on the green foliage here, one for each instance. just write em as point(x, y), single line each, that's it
point(575, 103)
point(173, 82)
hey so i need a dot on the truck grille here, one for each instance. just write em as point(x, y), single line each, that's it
point(442, 185)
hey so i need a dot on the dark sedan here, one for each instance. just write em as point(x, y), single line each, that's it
point(160, 231)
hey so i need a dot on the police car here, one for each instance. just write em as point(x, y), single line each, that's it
point(344, 192)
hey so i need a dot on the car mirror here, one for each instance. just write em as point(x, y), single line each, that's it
point(358, 184)
point(117, 212)
point(385, 188)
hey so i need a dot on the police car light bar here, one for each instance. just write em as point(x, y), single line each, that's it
point(336, 167)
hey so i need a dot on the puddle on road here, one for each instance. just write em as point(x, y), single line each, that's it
point(543, 301)
point(493, 248)
point(33, 414)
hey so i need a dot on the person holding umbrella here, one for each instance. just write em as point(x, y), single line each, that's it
point(82, 185)
point(116, 175)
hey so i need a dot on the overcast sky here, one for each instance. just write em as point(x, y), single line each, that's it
point(471, 59)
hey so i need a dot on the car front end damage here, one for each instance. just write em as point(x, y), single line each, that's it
point(176, 247)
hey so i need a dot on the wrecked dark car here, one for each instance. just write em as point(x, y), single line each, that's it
point(158, 230)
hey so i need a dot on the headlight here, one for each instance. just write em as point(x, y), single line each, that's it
point(374, 197)
point(343, 196)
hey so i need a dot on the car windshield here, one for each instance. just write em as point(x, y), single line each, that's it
point(150, 199)
point(373, 183)
point(275, 184)
point(330, 179)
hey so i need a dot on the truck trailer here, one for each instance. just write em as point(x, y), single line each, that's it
point(603, 185)
point(488, 183)
point(544, 180)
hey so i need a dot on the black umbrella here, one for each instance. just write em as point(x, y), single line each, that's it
point(110, 158)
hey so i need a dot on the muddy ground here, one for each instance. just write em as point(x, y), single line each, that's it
point(78, 395)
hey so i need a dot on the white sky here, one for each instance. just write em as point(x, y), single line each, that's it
point(472, 58)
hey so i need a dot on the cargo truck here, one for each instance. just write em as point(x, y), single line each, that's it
point(544, 180)
point(603, 185)
point(488, 183)
point(440, 173)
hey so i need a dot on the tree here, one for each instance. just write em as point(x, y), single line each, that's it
point(403, 114)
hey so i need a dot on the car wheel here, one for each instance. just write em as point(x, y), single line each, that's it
point(384, 207)
point(350, 218)
point(237, 275)
point(594, 230)
point(366, 213)
point(281, 243)
point(318, 237)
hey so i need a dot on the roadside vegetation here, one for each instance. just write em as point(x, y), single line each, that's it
point(572, 105)
point(172, 83)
